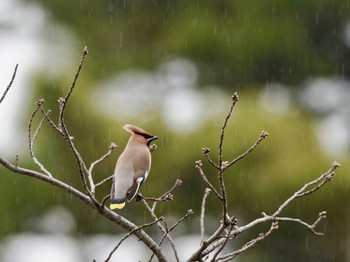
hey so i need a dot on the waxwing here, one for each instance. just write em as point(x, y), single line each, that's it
point(132, 167)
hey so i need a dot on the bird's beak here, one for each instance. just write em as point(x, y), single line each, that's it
point(151, 139)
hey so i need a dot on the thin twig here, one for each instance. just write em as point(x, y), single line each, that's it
point(201, 222)
point(81, 165)
point(112, 147)
point(221, 163)
point(201, 251)
point(31, 140)
point(104, 200)
point(226, 239)
point(249, 244)
point(168, 230)
point(104, 181)
point(321, 215)
point(189, 212)
point(63, 101)
point(327, 178)
point(335, 165)
point(162, 228)
point(129, 234)
point(262, 136)
point(235, 98)
point(167, 196)
point(9, 85)
point(199, 166)
point(62, 126)
point(46, 115)
point(206, 151)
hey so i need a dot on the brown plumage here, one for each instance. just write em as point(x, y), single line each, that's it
point(132, 167)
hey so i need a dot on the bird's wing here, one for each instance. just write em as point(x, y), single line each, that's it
point(135, 186)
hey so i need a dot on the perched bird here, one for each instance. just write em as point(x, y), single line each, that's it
point(132, 167)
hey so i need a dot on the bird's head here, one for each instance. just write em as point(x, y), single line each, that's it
point(140, 134)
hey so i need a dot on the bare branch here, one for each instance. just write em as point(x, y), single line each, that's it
point(203, 250)
point(112, 147)
point(199, 166)
point(201, 222)
point(32, 140)
point(266, 218)
point(300, 192)
point(222, 164)
point(102, 182)
point(119, 220)
point(206, 151)
point(235, 98)
point(249, 244)
point(9, 85)
point(62, 126)
point(79, 160)
point(226, 239)
point(162, 228)
point(46, 115)
point(63, 101)
point(262, 136)
point(129, 234)
point(189, 212)
point(322, 215)
point(167, 196)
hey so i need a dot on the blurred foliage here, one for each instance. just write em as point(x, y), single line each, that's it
point(233, 43)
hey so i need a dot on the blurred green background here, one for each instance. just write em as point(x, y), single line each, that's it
point(269, 51)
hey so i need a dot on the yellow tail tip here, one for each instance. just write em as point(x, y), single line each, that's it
point(118, 206)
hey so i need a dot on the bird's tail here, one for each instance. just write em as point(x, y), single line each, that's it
point(117, 203)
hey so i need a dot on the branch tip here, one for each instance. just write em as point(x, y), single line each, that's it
point(113, 146)
point(205, 150)
point(85, 51)
point(40, 102)
point(153, 147)
point(235, 97)
point(323, 214)
point(274, 225)
point(336, 164)
point(264, 134)
point(198, 163)
point(178, 182)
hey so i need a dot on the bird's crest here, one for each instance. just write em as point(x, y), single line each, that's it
point(136, 130)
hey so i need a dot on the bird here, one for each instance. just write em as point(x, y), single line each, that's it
point(132, 167)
